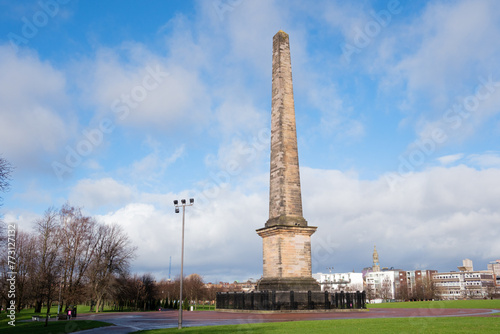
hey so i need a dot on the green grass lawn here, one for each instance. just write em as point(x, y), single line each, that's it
point(23, 323)
point(480, 303)
point(205, 308)
point(393, 325)
point(35, 327)
point(397, 325)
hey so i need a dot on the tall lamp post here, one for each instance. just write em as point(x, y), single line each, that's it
point(177, 206)
point(331, 278)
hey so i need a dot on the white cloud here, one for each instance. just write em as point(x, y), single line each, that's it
point(443, 68)
point(236, 116)
point(438, 216)
point(145, 90)
point(336, 119)
point(102, 193)
point(254, 45)
point(34, 193)
point(454, 43)
point(345, 17)
point(485, 160)
point(216, 73)
point(449, 159)
point(34, 109)
point(241, 156)
point(218, 234)
point(23, 218)
point(433, 219)
point(154, 165)
point(93, 164)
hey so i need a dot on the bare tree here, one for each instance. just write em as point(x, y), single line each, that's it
point(23, 247)
point(386, 289)
point(113, 253)
point(490, 291)
point(402, 292)
point(79, 240)
point(26, 251)
point(6, 170)
point(211, 293)
point(150, 291)
point(429, 288)
point(137, 288)
point(354, 287)
point(47, 259)
point(5, 177)
point(123, 291)
point(194, 287)
point(168, 290)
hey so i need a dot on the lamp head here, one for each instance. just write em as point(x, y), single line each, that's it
point(183, 201)
point(176, 202)
point(191, 200)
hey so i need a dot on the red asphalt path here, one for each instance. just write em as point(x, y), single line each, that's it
point(133, 321)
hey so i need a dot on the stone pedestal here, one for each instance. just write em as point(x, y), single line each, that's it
point(287, 258)
point(299, 284)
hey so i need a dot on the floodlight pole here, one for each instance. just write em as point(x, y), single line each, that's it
point(182, 267)
point(331, 278)
point(183, 204)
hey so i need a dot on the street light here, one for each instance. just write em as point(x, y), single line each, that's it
point(177, 206)
point(331, 278)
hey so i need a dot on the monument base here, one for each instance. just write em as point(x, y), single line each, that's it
point(290, 301)
point(288, 284)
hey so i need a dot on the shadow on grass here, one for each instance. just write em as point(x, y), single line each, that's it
point(38, 327)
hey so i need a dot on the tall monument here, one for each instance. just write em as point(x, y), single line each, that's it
point(286, 237)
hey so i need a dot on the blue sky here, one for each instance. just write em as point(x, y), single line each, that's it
point(120, 107)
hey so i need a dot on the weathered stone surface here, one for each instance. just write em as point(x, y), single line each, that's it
point(288, 284)
point(287, 251)
point(286, 237)
point(284, 192)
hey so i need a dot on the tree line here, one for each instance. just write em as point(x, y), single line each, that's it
point(423, 289)
point(69, 258)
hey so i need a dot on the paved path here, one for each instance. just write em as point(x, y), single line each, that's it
point(133, 321)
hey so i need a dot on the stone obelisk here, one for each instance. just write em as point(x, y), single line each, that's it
point(286, 237)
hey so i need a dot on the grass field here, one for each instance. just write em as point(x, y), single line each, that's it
point(396, 325)
point(480, 303)
point(23, 323)
point(393, 325)
point(205, 308)
point(53, 327)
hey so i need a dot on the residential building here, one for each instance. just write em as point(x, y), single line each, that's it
point(247, 286)
point(381, 284)
point(466, 283)
point(415, 285)
point(334, 282)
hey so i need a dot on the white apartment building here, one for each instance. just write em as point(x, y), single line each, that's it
point(381, 284)
point(335, 282)
point(465, 283)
